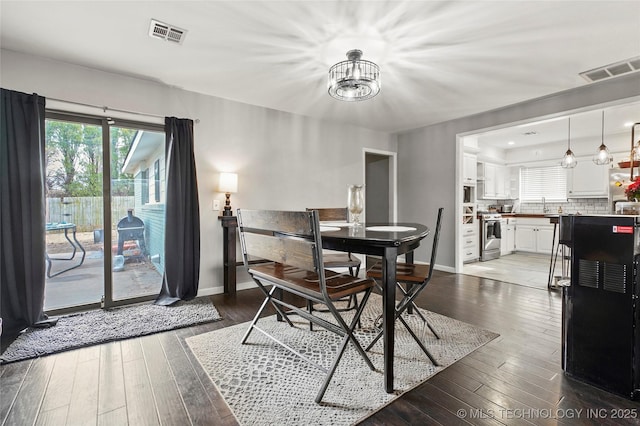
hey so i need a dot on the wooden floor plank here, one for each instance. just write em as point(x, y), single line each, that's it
point(53, 417)
point(83, 407)
point(12, 377)
point(28, 400)
point(62, 378)
point(169, 402)
point(455, 406)
point(141, 403)
point(111, 394)
point(117, 417)
point(200, 408)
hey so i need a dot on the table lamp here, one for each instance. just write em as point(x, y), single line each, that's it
point(228, 184)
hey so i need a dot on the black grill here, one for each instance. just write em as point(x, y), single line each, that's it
point(131, 228)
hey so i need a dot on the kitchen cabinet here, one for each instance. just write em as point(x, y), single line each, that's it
point(534, 235)
point(588, 180)
point(470, 169)
point(469, 214)
point(508, 240)
point(470, 243)
point(494, 181)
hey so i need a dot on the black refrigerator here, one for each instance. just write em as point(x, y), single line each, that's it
point(601, 341)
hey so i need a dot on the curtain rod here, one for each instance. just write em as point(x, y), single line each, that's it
point(105, 108)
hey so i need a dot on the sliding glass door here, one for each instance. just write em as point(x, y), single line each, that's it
point(105, 225)
point(137, 211)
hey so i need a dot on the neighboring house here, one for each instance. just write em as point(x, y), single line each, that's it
point(145, 161)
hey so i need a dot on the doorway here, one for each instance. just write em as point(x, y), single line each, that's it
point(380, 171)
point(105, 225)
point(380, 186)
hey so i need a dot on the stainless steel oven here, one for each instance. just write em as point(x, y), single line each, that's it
point(491, 236)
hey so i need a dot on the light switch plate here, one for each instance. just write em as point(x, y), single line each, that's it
point(216, 205)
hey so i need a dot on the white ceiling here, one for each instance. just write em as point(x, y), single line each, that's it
point(439, 59)
point(585, 125)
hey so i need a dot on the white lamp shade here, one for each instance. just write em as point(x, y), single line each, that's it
point(228, 182)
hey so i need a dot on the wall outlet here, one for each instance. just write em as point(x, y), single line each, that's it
point(216, 205)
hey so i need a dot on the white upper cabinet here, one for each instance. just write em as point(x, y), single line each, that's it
point(470, 169)
point(495, 182)
point(588, 180)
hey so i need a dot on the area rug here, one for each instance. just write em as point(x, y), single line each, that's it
point(264, 384)
point(99, 326)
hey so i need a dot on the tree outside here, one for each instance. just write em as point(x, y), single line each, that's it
point(74, 159)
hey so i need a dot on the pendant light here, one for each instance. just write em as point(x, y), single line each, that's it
point(569, 160)
point(603, 156)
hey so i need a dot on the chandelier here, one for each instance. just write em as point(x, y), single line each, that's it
point(354, 79)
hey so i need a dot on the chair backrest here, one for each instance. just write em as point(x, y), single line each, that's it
point(340, 214)
point(436, 237)
point(286, 237)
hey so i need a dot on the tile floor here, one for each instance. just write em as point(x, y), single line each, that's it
point(527, 269)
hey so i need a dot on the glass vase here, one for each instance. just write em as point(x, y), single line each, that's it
point(355, 202)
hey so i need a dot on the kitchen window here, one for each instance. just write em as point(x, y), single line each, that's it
point(549, 182)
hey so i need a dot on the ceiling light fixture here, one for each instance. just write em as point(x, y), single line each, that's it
point(569, 160)
point(354, 79)
point(603, 156)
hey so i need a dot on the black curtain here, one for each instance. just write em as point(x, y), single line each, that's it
point(22, 216)
point(182, 224)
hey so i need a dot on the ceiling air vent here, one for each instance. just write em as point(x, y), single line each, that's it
point(167, 32)
point(612, 70)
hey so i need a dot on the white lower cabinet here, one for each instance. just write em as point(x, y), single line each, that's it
point(526, 238)
point(534, 235)
point(470, 243)
point(508, 240)
point(544, 239)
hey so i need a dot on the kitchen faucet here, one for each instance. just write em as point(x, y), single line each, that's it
point(544, 206)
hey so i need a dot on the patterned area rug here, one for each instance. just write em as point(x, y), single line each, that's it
point(99, 326)
point(266, 385)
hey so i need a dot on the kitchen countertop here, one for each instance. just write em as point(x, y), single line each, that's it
point(531, 215)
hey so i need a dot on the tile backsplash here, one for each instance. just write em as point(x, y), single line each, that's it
point(578, 205)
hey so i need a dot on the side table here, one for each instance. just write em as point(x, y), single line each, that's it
point(229, 231)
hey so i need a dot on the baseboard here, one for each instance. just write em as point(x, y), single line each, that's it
point(220, 290)
point(444, 268)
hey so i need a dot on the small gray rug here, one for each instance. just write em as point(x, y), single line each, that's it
point(264, 384)
point(99, 326)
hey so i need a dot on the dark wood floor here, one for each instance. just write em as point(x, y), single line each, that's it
point(515, 379)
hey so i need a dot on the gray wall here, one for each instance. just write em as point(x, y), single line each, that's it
point(427, 157)
point(283, 161)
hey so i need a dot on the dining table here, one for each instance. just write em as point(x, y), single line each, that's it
point(387, 241)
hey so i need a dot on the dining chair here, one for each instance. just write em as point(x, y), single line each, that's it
point(334, 259)
point(292, 242)
point(416, 277)
point(338, 259)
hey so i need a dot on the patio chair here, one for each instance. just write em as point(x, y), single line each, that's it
point(415, 277)
point(292, 241)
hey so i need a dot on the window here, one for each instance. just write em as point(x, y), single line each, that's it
point(156, 176)
point(549, 182)
point(144, 190)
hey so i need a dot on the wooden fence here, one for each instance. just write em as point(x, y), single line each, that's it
point(86, 212)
